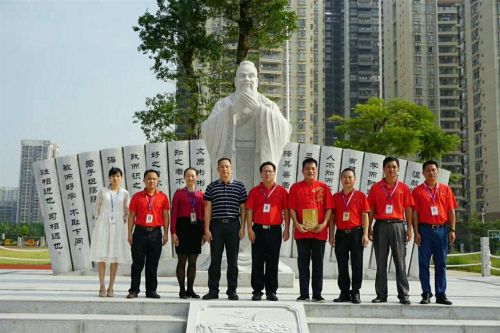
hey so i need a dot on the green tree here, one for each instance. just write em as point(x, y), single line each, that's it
point(396, 127)
point(256, 24)
point(176, 39)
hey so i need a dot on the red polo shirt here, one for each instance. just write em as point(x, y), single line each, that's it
point(142, 202)
point(305, 196)
point(276, 197)
point(381, 195)
point(355, 203)
point(440, 196)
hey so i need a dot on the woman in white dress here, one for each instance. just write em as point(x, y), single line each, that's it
point(109, 236)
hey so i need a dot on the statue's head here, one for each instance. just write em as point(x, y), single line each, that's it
point(246, 77)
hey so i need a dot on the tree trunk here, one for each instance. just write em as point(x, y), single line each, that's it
point(245, 25)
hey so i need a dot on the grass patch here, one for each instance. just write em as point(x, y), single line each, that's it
point(471, 259)
point(33, 257)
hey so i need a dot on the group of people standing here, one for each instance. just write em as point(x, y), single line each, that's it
point(222, 215)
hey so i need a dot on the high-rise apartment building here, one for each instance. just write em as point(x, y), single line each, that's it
point(8, 204)
point(28, 209)
point(482, 51)
point(422, 48)
point(352, 57)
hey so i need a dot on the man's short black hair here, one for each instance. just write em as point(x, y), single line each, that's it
point(267, 163)
point(224, 159)
point(430, 162)
point(152, 170)
point(309, 160)
point(390, 159)
point(346, 170)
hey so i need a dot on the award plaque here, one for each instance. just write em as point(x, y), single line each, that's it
point(310, 218)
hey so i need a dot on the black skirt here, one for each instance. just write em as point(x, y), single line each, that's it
point(189, 235)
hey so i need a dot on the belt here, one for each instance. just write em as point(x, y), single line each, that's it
point(267, 226)
point(226, 220)
point(433, 226)
point(348, 231)
point(390, 221)
point(149, 229)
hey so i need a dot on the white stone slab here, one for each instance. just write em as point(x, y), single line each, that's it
point(53, 216)
point(227, 316)
point(414, 175)
point(373, 171)
point(178, 160)
point(200, 160)
point(135, 165)
point(353, 159)
point(92, 181)
point(112, 157)
point(402, 168)
point(307, 151)
point(329, 167)
point(156, 158)
point(444, 176)
point(74, 211)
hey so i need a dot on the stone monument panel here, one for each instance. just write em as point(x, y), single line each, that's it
point(444, 176)
point(112, 157)
point(156, 158)
point(200, 160)
point(353, 159)
point(74, 211)
point(402, 169)
point(373, 171)
point(92, 180)
point(53, 216)
point(329, 167)
point(178, 160)
point(414, 174)
point(135, 165)
point(307, 151)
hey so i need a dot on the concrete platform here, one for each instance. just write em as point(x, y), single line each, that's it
point(37, 301)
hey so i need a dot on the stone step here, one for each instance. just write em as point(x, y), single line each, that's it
point(397, 311)
point(386, 325)
point(95, 323)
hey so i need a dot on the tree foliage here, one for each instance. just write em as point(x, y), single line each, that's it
point(13, 230)
point(396, 127)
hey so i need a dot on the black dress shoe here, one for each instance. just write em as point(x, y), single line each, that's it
point(379, 299)
point(443, 300)
point(318, 299)
point(405, 300)
point(342, 298)
point(271, 297)
point(152, 294)
point(356, 299)
point(256, 297)
point(132, 295)
point(303, 298)
point(183, 294)
point(426, 299)
point(210, 295)
point(232, 296)
point(192, 294)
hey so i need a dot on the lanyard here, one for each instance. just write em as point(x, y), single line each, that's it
point(348, 201)
point(267, 196)
point(387, 194)
point(192, 199)
point(116, 197)
point(150, 203)
point(433, 196)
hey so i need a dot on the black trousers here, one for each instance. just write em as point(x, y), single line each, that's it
point(348, 243)
point(224, 235)
point(146, 247)
point(310, 249)
point(265, 254)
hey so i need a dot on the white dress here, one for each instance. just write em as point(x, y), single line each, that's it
point(109, 241)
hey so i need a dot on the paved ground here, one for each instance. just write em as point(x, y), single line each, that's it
point(465, 289)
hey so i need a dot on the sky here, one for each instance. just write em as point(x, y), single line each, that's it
point(70, 72)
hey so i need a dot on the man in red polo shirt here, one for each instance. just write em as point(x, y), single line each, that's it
point(310, 201)
point(350, 217)
point(390, 204)
point(266, 208)
point(434, 226)
point(148, 214)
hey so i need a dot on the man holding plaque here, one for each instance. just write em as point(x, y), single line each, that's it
point(350, 218)
point(310, 203)
point(390, 204)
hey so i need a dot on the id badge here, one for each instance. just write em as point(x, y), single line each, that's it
point(434, 211)
point(112, 219)
point(388, 209)
point(149, 218)
point(193, 217)
point(267, 208)
point(345, 216)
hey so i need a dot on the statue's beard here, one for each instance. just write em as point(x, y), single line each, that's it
point(246, 89)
